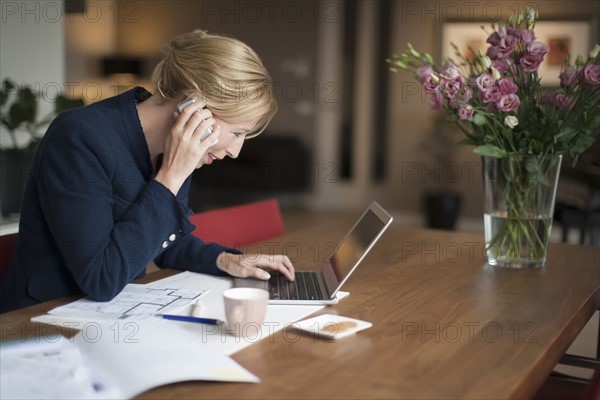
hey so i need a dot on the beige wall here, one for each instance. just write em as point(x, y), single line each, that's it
point(299, 42)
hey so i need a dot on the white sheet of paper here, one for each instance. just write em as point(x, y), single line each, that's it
point(157, 354)
point(110, 362)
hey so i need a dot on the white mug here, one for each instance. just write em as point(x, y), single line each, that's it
point(245, 310)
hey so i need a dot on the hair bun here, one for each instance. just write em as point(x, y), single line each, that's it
point(200, 32)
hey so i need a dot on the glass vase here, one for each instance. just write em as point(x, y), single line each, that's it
point(519, 197)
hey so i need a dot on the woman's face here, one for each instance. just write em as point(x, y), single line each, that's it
point(230, 142)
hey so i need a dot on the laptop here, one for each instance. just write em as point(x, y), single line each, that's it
point(320, 287)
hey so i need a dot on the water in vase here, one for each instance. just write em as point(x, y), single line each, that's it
point(516, 242)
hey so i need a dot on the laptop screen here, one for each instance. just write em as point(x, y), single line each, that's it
point(355, 244)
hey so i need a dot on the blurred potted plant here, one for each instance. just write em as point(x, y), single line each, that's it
point(18, 112)
point(442, 204)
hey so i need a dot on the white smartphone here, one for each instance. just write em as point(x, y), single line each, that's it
point(186, 103)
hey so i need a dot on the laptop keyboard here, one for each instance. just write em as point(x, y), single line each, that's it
point(305, 287)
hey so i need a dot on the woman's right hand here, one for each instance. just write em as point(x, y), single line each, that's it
point(183, 148)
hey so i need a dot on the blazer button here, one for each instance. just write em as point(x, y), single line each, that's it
point(172, 237)
point(165, 244)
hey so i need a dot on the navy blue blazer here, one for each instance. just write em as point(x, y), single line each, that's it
point(93, 217)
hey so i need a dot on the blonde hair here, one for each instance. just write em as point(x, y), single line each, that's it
point(223, 72)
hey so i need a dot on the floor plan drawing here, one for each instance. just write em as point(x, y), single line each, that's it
point(134, 302)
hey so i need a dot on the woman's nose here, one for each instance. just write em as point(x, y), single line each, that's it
point(233, 150)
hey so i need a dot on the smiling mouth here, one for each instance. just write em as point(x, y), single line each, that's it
point(213, 156)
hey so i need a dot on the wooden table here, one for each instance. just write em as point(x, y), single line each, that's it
point(445, 325)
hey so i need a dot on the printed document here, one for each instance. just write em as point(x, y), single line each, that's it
point(134, 302)
point(102, 364)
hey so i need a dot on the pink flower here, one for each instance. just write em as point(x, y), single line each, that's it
point(464, 93)
point(491, 95)
point(538, 49)
point(494, 39)
point(451, 81)
point(449, 71)
point(501, 65)
point(562, 101)
point(431, 84)
point(450, 87)
point(506, 46)
point(591, 75)
point(466, 112)
point(507, 86)
point(485, 81)
point(557, 99)
point(568, 76)
point(508, 102)
point(514, 31)
point(530, 62)
point(462, 97)
point(492, 52)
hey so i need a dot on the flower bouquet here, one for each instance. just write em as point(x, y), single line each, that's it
point(521, 132)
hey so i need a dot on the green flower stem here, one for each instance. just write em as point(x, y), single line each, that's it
point(524, 184)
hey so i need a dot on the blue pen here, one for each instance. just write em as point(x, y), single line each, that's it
point(187, 318)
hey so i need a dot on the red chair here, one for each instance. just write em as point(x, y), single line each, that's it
point(8, 243)
point(240, 225)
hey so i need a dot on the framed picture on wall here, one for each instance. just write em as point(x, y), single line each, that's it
point(561, 37)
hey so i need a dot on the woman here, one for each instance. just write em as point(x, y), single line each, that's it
point(108, 188)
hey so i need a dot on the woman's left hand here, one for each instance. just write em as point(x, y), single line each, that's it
point(254, 265)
